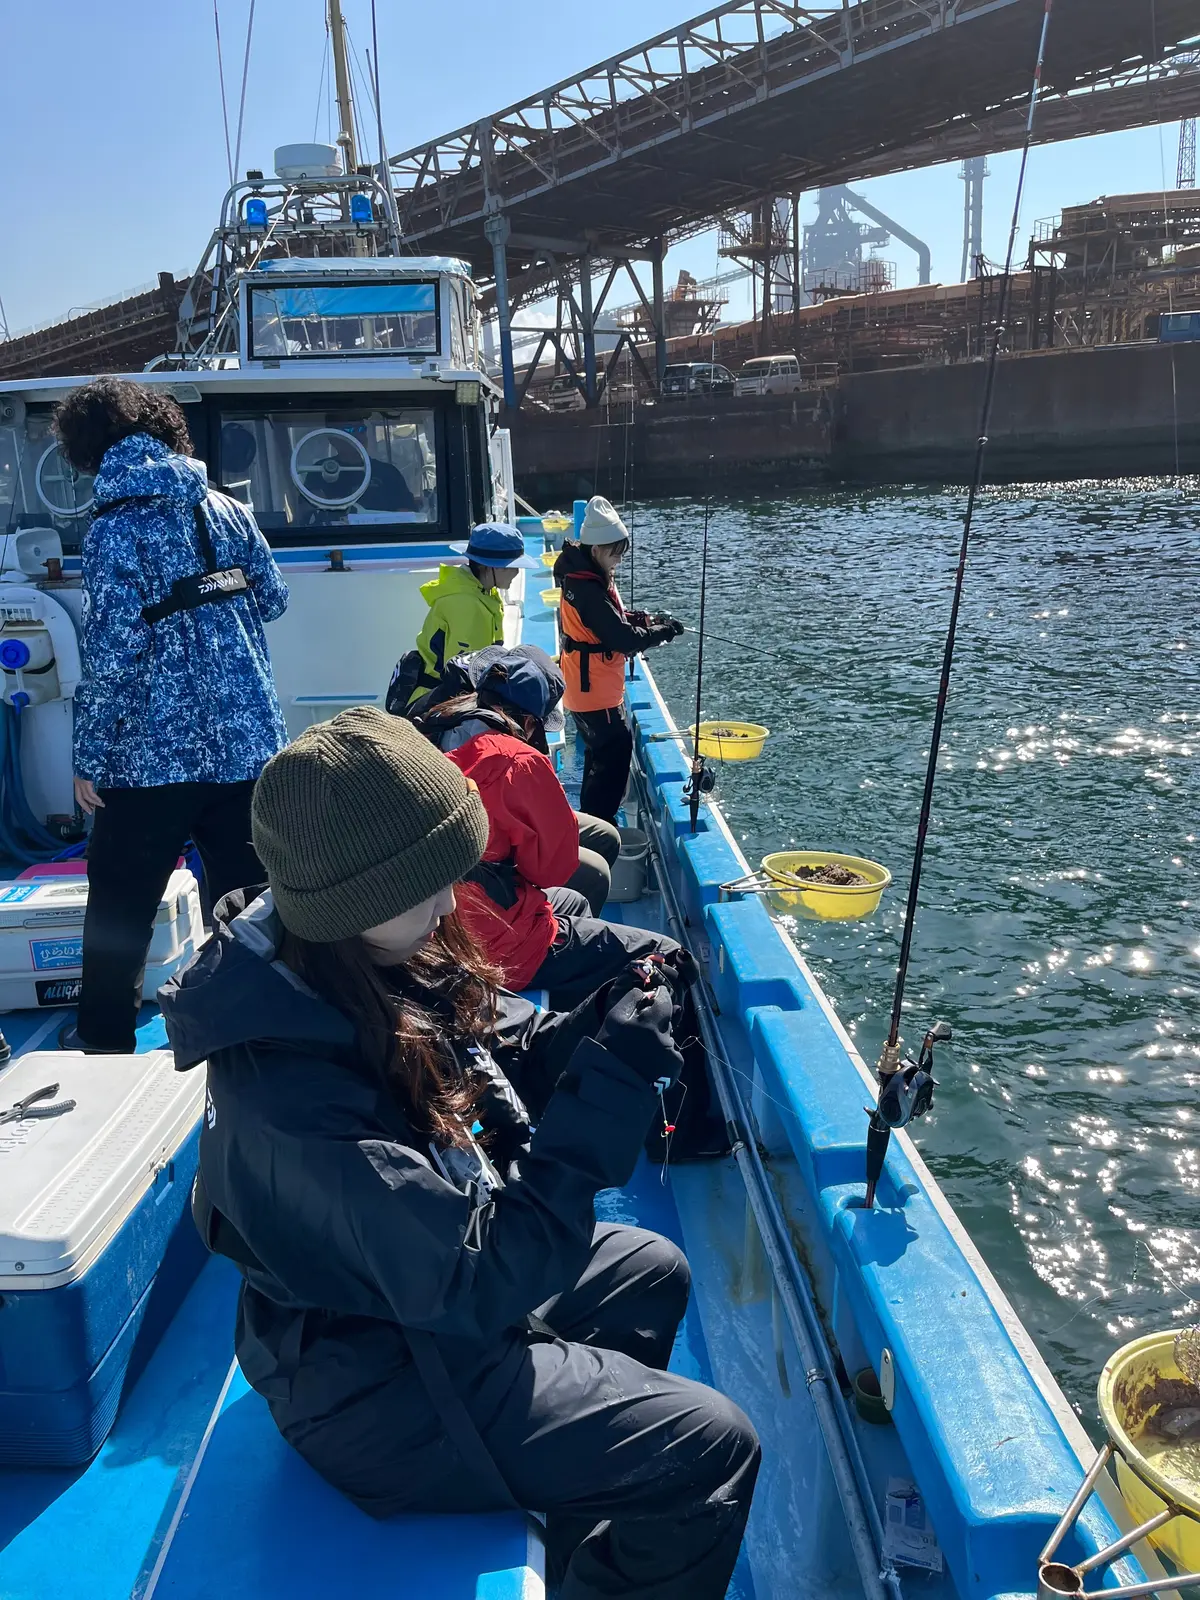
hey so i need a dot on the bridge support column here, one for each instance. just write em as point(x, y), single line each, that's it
point(496, 231)
point(589, 330)
point(660, 337)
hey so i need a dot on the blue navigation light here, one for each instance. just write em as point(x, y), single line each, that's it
point(256, 212)
point(360, 208)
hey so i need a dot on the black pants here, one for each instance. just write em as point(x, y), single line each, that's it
point(607, 753)
point(136, 839)
point(599, 847)
point(646, 1476)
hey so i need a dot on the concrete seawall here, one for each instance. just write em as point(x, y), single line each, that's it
point(668, 448)
point(1109, 412)
point(1118, 411)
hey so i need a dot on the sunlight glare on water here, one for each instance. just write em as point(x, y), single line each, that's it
point(1060, 924)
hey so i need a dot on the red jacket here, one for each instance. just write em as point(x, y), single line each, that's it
point(534, 829)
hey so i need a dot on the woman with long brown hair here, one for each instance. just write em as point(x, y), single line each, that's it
point(403, 1161)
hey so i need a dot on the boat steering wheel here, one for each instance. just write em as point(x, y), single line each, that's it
point(74, 489)
point(334, 477)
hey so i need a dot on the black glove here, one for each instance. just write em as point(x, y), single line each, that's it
point(676, 627)
point(637, 1030)
point(680, 970)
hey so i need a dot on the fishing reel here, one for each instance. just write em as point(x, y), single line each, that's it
point(905, 1093)
point(703, 780)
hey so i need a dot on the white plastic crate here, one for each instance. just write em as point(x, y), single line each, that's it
point(41, 939)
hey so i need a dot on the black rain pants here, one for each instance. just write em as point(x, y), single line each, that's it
point(646, 1476)
point(607, 754)
point(137, 837)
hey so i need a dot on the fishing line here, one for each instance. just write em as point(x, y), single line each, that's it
point(889, 1058)
point(788, 658)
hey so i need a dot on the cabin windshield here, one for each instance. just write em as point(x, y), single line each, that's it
point(38, 488)
point(301, 469)
point(299, 321)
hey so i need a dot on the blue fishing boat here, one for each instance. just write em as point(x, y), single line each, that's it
point(914, 1441)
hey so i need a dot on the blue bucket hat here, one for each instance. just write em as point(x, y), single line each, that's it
point(524, 676)
point(496, 544)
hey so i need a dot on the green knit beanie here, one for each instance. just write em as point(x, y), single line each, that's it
point(359, 820)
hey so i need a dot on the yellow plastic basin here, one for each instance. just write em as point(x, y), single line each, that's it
point(1140, 1382)
point(828, 902)
point(731, 741)
point(551, 597)
point(549, 557)
point(552, 523)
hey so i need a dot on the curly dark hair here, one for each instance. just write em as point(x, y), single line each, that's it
point(103, 412)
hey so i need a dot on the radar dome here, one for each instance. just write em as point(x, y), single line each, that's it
point(295, 161)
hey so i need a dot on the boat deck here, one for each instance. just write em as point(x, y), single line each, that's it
point(194, 1493)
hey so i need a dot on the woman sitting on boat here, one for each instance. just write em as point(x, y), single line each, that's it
point(176, 713)
point(466, 611)
point(511, 697)
point(598, 634)
point(430, 1308)
point(532, 903)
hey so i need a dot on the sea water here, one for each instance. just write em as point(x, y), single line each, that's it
point(1059, 929)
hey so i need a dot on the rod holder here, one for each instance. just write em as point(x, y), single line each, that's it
point(1056, 1579)
point(753, 883)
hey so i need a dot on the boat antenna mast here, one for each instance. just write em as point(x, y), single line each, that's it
point(347, 133)
point(906, 1086)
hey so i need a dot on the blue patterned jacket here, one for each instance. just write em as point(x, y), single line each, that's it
point(191, 698)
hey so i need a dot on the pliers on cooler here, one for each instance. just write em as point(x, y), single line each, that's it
point(30, 1107)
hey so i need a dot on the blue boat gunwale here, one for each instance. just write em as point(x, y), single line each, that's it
point(779, 990)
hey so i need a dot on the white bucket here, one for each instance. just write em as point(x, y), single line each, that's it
point(629, 869)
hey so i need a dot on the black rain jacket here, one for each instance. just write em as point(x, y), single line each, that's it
point(621, 632)
point(345, 1231)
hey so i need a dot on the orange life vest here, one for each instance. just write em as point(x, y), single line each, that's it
point(595, 677)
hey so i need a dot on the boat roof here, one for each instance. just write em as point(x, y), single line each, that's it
point(365, 266)
point(327, 374)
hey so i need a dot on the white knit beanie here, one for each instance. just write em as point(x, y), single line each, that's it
point(601, 524)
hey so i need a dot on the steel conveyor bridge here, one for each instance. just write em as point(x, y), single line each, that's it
point(770, 97)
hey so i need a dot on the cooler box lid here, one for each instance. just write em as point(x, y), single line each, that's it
point(47, 902)
point(68, 1183)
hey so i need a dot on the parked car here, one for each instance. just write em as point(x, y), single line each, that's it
point(770, 375)
point(696, 377)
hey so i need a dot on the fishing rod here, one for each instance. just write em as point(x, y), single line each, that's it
point(701, 780)
point(627, 499)
point(906, 1087)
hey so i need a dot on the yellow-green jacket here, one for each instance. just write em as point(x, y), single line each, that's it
point(463, 617)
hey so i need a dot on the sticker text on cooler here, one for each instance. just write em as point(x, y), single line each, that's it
point(48, 954)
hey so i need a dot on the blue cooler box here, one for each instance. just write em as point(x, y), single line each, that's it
point(97, 1245)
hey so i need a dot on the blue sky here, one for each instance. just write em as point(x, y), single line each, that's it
point(116, 155)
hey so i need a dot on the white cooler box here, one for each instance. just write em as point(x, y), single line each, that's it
point(41, 939)
point(97, 1244)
